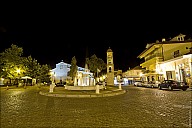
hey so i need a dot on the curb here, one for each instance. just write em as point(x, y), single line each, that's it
point(119, 92)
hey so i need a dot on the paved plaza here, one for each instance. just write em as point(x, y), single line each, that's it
point(137, 107)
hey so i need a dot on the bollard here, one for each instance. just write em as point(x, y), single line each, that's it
point(52, 87)
point(97, 89)
point(7, 87)
point(120, 86)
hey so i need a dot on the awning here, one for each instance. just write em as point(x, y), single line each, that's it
point(26, 77)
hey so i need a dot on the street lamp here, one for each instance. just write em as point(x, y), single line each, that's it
point(18, 71)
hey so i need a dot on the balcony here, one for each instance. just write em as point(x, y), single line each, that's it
point(152, 60)
point(159, 55)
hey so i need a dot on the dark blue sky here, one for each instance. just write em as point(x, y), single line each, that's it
point(50, 37)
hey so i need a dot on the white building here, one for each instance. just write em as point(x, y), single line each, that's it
point(60, 74)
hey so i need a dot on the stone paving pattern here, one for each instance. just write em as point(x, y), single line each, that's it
point(138, 107)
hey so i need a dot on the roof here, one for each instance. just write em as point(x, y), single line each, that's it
point(109, 50)
point(170, 41)
point(137, 68)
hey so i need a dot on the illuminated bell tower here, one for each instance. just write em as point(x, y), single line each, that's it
point(110, 67)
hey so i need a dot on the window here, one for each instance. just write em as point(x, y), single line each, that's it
point(169, 75)
point(176, 53)
point(180, 38)
point(109, 69)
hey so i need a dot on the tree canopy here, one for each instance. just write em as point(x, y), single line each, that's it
point(95, 64)
point(73, 68)
point(13, 65)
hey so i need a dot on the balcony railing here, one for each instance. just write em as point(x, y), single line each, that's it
point(154, 55)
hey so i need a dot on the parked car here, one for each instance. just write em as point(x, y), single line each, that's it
point(152, 84)
point(138, 83)
point(173, 84)
point(156, 84)
point(149, 84)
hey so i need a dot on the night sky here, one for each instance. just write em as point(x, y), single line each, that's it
point(50, 38)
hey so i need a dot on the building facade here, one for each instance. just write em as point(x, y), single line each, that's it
point(168, 59)
point(83, 78)
point(133, 74)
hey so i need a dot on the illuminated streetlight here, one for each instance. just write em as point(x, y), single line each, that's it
point(18, 71)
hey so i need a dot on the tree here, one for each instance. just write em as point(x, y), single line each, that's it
point(95, 64)
point(33, 67)
point(11, 62)
point(37, 71)
point(73, 68)
point(44, 73)
point(13, 65)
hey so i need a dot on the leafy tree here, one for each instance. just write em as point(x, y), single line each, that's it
point(95, 64)
point(33, 67)
point(73, 68)
point(44, 73)
point(2, 72)
point(13, 65)
point(11, 62)
point(37, 71)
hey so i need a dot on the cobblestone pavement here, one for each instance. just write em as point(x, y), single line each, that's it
point(138, 107)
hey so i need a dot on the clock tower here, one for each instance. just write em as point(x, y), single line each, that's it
point(110, 67)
